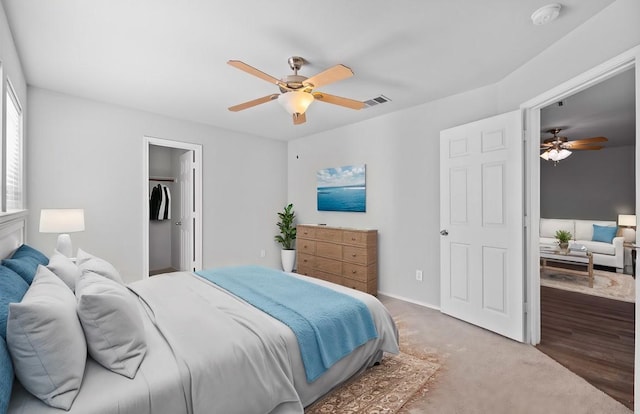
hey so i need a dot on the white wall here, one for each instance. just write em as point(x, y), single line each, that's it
point(402, 157)
point(88, 155)
point(401, 152)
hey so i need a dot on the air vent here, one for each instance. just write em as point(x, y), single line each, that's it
point(376, 101)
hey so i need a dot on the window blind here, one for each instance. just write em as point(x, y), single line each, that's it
point(13, 189)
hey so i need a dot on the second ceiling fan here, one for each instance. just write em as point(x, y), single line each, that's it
point(298, 92)
point(558, 148)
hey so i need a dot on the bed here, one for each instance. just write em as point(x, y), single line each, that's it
point(209, 351)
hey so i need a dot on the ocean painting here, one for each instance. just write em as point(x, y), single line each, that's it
point(342, 189)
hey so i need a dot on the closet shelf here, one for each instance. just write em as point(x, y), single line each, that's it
point(163, 179)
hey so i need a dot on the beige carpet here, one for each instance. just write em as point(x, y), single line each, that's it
point(382, 389)
point(610, 285)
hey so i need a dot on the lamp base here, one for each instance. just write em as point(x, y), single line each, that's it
point(64, 245)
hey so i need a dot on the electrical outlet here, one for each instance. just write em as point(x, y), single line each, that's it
point(263, 253)
point(419, 275)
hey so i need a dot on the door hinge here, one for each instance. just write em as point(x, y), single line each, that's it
point(525, 307)
point(525, 222)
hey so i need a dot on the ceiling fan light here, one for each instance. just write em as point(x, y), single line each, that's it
point(563, 154)
point(545, 155)
point(295, 102)
point(554, 154)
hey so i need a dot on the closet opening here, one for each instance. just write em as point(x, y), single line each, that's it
point(172, 234)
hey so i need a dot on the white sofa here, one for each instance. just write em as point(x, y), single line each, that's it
point(605, 254)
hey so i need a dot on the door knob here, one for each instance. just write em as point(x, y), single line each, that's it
point(444, 232)
point(178, 223)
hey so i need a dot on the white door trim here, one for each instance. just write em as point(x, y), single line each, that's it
point(197, 149)
point(531, 111)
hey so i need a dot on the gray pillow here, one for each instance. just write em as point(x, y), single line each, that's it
point(46, 342)
point(90, 263)
point(65, 269)
point(112, 324)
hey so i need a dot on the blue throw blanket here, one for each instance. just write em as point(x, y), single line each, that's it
point(328, 324)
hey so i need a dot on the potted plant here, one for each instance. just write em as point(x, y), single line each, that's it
point(563, 237)
point(287, 237)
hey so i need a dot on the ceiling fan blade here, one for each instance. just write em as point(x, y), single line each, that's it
point(338, 100)
point(333, 74)
point(255, 72)
point(253, 103)
point(588, 140)
point(583, 147)
point(299, 118)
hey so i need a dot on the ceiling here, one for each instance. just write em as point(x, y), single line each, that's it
point(169, 57)
point(606, 109)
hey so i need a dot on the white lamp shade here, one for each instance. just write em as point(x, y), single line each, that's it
point(545, 155)
point(628, 220)
point(295, 102)
point(65, 220)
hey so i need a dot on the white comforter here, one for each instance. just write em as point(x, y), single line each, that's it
point(210, 352)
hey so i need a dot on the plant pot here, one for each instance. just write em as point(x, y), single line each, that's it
point(564, 247)
point(288, 258)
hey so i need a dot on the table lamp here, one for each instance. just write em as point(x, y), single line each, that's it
point(62, 221)
point(628, 223)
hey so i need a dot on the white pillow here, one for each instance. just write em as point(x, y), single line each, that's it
point(46, 342)
point(90, 263)
point(65, 269)
point(112, 324)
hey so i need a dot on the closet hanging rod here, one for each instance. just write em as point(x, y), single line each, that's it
point(163, 179)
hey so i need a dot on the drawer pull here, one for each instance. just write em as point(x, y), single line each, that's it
point(354, 272)
point(353, 239)
point(353, 255)
point(305, 260)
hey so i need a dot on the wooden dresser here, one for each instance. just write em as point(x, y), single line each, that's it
point(345, 256)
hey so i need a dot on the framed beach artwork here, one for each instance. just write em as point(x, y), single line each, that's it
point(342, 189)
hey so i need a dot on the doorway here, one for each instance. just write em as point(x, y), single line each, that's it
point(172, 204)
point(532, 110)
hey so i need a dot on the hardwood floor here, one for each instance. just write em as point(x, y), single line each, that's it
point(591, 336)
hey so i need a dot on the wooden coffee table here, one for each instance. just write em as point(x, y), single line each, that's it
point(550, 258)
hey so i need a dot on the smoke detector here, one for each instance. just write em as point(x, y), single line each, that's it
point(546, 14)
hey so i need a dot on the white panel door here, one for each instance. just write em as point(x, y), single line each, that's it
point(482, 218)
point(186, 212)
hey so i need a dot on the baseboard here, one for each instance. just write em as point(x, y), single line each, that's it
point(415, 302)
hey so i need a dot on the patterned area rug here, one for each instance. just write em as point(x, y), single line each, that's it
point(382, 389)
point(610, 285)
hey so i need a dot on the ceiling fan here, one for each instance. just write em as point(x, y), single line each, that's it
point(558, 148)
point(298, 92)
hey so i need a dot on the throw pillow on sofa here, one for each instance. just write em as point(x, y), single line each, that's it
point(604, 234)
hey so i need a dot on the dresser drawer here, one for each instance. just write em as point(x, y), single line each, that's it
point(358, 255)
point(355, 284)
point(329, 250)
point(306, 246)
point(306, 232)
point(329, 277)
point(358, 272)
point(329, 265)
point(306, 260)
point(354, 237)
point(304, 270)
point(328, 234)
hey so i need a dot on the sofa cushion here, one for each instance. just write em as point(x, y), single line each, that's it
point(584, 228)
point(548, 227)
point(598, 247)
